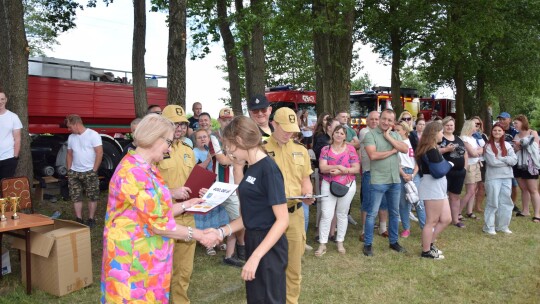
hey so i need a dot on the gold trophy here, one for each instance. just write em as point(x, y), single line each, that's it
point(3, 204)
point(14, 200)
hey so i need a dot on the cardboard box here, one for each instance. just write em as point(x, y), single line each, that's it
point(61, 257)
point(6, 263)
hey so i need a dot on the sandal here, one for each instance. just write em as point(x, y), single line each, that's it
point(460, 217)
point(536, 219)
point(519, 214)
point(472, 216)
point(321, 250)
point(460, 225)
point(340, 248)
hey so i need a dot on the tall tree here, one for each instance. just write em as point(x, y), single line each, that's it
point(14, 52)
point(176, 55)
point(392, 27)
point(229, 46)
point(137, 59)
point(259, 11)
point(333, 23)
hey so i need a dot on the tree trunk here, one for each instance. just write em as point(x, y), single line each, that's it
point(257, 47)
point(230, 55)
point(459, 80)
point(333, 57)
point(14, 74)
point(137, 60)
point(481, 99)
point(395, 79)
point(176, 57)
point(246, 52)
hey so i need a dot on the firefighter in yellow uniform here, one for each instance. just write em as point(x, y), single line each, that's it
point(175, 169)
point(295, 165)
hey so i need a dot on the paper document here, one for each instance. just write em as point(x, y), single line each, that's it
point(215, 195)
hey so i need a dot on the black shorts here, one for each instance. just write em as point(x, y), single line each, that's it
point(455, 180)
point(524, 174)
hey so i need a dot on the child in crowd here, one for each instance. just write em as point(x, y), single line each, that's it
point(217, 216)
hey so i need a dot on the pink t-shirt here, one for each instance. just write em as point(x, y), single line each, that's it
point(345, 158)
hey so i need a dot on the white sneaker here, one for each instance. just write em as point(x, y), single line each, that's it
point(308, 248)
point(412, 217)
point(351, 220)
point(490, 232)
point(507, 231)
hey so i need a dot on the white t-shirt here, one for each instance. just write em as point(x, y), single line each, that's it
point(83, 146)
point(474, 145)
point(407, 159)
point(9, 122)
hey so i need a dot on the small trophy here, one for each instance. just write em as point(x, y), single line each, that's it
point(3, 204)
point(14, 200)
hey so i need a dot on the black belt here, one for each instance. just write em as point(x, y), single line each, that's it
point(295, 207)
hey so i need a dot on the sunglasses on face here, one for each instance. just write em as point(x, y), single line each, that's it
point(406, 118)
point(478, 124)
point(257, 111)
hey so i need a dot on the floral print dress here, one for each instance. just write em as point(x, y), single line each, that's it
point(137, 263)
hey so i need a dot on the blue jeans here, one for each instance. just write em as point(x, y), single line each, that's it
point(405, 207)
point(366, 194)
point(390, 192)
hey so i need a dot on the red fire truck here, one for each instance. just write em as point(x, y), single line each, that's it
point(362, 102)
point(441, 107)
point(57, 88)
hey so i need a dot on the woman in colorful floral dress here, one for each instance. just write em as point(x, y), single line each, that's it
point(139, 224)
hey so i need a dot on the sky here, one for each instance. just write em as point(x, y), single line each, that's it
point(103, 37)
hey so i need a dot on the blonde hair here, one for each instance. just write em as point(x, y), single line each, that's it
point(404, 113)
point(468, 128)
point(151, 128)
point(405, 127)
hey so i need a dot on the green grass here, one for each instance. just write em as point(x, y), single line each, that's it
point(477, 269)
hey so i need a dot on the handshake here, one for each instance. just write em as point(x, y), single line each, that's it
point(211, 237)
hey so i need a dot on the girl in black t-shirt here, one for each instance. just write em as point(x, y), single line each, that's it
point(432, 191)
point(453, 150)
point(264, 213)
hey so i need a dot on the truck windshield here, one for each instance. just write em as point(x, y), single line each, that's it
point(362, 104)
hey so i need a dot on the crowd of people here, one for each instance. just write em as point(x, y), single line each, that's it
point(407, 166)
point(411, 170)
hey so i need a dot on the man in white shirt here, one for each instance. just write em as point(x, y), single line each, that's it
point(84, 155)
point(10, 139)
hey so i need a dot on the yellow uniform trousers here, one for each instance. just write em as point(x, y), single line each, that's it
point(296, 236)
point(183, 256)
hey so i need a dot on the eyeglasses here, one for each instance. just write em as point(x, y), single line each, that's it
point(168, 141)
point(178, 124)
point(406, 118)
point(257, 111)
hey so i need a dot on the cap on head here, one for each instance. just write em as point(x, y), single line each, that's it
point(258, 102)
point(504, 115)
point(286, 118)
point(174, 113)
point(226, 113)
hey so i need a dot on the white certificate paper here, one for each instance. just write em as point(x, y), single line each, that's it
point(216, 195)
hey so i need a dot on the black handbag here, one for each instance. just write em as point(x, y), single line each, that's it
point(338, 190)
point(438, 170)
